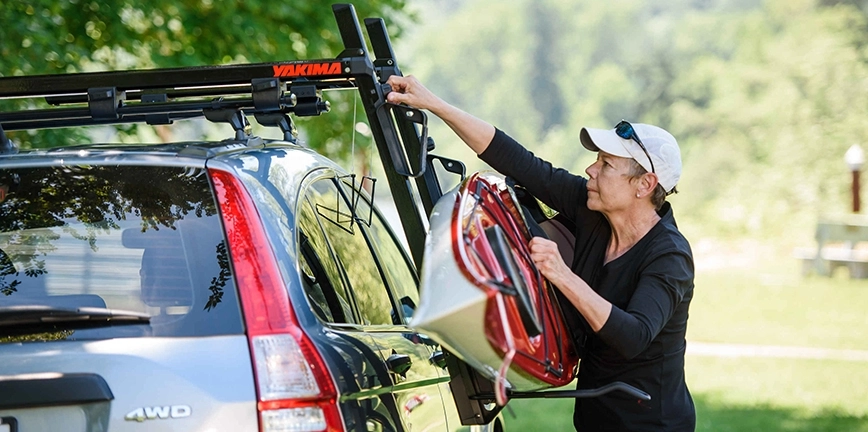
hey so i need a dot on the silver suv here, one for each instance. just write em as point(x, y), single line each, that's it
point(237, 285)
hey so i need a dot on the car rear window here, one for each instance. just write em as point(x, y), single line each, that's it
point(136, 238)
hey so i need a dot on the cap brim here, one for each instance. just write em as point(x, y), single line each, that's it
point(604, 140)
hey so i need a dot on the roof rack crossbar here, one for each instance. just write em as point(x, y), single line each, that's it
point(129, 113)
point(214, 77)
point(225, 90)
point(78, 122)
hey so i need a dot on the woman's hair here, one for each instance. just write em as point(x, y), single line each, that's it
point(658, 197)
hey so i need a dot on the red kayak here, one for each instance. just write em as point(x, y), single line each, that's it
point(483, 298)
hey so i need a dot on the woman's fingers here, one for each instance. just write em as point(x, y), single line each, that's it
point(408, 90)
point(544, 253)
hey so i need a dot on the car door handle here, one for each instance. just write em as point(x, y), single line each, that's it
point(438, 358)
point(399, 363)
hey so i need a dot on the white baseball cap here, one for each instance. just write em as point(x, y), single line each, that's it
point(662, 149)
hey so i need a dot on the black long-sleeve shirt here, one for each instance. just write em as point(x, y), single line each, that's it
point(650, 288)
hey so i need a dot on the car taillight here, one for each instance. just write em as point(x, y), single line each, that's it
point(281, 369)
point(294, 388)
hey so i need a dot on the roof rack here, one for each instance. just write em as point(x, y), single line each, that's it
point(268, 91)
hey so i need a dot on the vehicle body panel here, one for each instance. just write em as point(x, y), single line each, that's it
point(211, 376)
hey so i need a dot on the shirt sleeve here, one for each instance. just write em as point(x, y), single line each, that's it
point(538, 176)
point(662, 286)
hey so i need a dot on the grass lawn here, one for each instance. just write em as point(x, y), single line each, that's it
point(768, 394)
point(762, 308)
point(765, 302)
point(745, 394)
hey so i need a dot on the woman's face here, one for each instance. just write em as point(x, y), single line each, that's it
point(610, 187)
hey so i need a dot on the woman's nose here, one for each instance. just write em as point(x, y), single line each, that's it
point(591, 169)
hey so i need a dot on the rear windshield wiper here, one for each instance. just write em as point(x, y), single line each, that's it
point(17, 320)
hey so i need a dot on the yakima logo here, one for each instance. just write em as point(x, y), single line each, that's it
point(158, 412)
point(307, 69)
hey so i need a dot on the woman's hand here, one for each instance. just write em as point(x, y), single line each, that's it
point(473, 131)
point(408, 90)
point(596, 310)
point(544, 254)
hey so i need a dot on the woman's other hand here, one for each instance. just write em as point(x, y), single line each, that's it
point(548, 260)
point(545, 255)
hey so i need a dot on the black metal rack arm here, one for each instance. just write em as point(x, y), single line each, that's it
point(385, 136)
point(465, 382)
point(416, 147)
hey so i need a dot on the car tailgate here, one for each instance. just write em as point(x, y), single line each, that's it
point(154, 384)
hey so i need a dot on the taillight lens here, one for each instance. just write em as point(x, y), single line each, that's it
point(294, 419)
point(281, 369)
point(296, 392)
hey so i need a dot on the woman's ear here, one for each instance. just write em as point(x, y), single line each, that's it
point(648, 183)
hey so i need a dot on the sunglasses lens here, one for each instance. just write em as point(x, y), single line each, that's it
point(624, 130)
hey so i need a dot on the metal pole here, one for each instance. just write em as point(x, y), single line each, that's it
point(855, 158)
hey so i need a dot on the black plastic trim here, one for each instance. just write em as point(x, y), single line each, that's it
point(38, 390)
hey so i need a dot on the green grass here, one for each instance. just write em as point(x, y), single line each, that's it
point(780, 394)
point(762, 300)
point(745, 394)
point(749, 307)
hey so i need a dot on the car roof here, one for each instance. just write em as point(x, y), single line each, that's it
point(190, 153)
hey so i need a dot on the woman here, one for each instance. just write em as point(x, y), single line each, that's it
point(631, 281)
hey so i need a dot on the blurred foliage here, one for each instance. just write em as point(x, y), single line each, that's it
point(38, 337)
point(51, 36)
point(99, 198)
point(763, 96)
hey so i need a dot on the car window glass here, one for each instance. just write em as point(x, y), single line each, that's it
point(138, 238)
point(321, 277)
point(395, 264)
point(354, 254)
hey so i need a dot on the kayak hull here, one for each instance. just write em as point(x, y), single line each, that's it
point(480, 296)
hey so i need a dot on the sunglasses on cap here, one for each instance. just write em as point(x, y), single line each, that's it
point(625, 130)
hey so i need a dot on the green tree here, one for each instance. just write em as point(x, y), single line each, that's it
point(50, 36)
